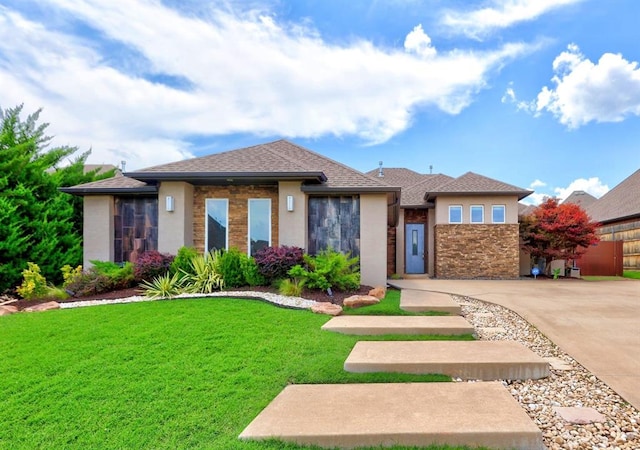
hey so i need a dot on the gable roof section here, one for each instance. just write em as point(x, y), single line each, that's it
point(264, 163)
point(414, 196)
point(581, 198)
point(621, 202)
point(473, 184)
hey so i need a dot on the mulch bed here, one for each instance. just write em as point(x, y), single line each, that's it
point(319, 296)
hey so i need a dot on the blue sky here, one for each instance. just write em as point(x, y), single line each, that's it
point(543, 94)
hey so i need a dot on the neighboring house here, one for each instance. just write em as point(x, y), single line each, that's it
point(580, 198)
point(267, 195)
point(618, 212)
point(465, 227)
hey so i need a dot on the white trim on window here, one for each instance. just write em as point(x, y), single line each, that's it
point(256, 201)
point(473, 211)
point(221, 207)
point(453, 208)
point(495, 208)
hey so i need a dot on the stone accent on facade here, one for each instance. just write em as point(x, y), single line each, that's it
point(238, 197)
point(477, 251)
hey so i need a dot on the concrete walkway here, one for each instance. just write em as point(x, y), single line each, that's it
point(597, 323)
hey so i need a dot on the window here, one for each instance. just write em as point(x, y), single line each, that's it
point(498, 214)
point(259, 224)
point(477, 214)
point(217, 224)
point(455, 214)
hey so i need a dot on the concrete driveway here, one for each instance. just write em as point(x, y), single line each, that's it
point(596, 322)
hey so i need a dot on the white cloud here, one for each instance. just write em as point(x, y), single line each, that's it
point(245, 73)
point(607, 91)
point(537, 183)
point(418, 42)
point(591, 185)
point(499, 14)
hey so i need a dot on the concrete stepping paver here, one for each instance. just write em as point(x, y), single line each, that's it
point(425, 301)
point(471, 360)
point(375, 325)
point(410, 414)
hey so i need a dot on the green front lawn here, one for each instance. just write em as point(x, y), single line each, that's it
point(635, 274)
point(165, 374)
point(390, 306)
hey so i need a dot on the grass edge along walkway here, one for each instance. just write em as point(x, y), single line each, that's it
point(186, 373)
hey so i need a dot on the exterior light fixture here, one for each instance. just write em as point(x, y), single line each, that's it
point(169, 203)
point(289, 202)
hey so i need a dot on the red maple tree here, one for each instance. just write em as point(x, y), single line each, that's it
point(557, 231)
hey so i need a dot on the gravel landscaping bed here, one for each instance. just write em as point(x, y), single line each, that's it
point(573, 387)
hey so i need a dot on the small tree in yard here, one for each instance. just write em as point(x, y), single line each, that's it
point(557, 231)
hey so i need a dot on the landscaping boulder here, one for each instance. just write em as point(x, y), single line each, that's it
point(378, 292)
point(43, 307)
point(356, 301)
point(327, 308)
point(7, 309)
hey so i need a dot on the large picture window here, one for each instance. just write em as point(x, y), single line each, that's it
point(259, 224)
point(217, 225)
point(135, 227)
point(334, 222)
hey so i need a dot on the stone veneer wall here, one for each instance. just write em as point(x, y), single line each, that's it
point(238, 197)
point(477, 251)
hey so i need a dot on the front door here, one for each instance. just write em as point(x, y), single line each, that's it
point(414, 247)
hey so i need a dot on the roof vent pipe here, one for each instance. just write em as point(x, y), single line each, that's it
point(380, 171)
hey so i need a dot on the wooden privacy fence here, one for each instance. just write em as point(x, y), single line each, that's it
point(604, 259)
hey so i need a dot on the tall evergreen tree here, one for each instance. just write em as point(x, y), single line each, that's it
point(38, 223)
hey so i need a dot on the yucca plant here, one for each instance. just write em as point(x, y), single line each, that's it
point(163, 286)
point(291, 287)
point(206, 276)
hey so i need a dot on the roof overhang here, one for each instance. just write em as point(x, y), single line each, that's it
point(144, 190)
point(430, 196)
point(321, 189)
point(220, 178)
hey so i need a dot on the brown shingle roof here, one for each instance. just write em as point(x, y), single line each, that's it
point(271, 161)
point(414, 195)
point(473, 184)
point(117, 184)
point(623, 201)
point(397, 176)
point(581, 198)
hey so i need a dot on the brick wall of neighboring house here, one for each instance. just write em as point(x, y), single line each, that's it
point(238, 197)
point(477, 251)
point(391, 250)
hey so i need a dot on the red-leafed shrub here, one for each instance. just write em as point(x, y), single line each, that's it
point(275, 262)
point(151, 264)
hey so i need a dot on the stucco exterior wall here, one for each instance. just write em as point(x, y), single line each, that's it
point(477, 251)
point(293, 224)
point(98, 229)
point(238, 197)
point(373, 239)
point(400, 236)
point(175, 228)
point(510, 202)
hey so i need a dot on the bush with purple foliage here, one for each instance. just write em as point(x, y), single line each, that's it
point(151, 264)
point(275, 262)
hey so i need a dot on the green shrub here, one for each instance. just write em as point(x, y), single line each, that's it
point(182, 262)
point(69, 274)
point(275, 262)
point(329, 269)
point(56, 293)
point(291, 288)
point(34, 285)
point(231, 268)
point(252, 274)
point(104, 276)
point(120, 275)
point(163, 286)
point(205, 274)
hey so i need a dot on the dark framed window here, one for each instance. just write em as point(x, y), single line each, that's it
point(135, 227)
